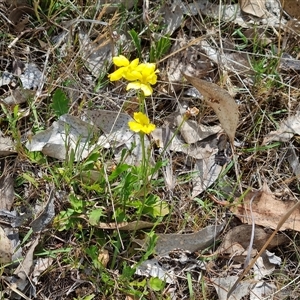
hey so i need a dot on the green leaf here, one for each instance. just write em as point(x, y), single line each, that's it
point(137, 42)
point(156, 284)
point(77, 204)
point(95, 216)
point(89, 297)
point(159, 49)
point(60, 103)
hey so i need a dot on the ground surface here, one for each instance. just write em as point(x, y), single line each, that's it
point(85, 215)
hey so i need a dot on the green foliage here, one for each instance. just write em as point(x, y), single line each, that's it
point(160, 48)
point(60, 103)
point(136, 41)
point(156, 284)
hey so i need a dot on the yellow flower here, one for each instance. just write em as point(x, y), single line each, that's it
point(141, 123)
point(144, 76)
point(125, 68)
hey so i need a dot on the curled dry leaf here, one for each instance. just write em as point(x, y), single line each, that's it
point(287, 129)
point(103, 257)
point(5, 248)
point(253, 7)
point(237, 240)
point(267, 211)
point(221, 102)
point(7, 192)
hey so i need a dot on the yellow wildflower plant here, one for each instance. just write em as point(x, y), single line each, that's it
point(142, 75)
point(125, 68)
point(145, 74)
point(141, 123)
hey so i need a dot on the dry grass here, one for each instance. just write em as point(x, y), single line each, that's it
point(272, 97)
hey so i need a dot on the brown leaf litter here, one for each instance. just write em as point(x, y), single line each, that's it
point(264, 209)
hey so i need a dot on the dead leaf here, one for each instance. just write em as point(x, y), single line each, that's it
point(190, 130)
point(221, 102)
point(206, 172)
point(46, 216)
point(5, 248)
point(292, 7)
point(265, 265)
point(237, 240)
point(258, 290)
point(7, 146)
point(18, 96)
point(16, 16)
point(261, 290)
point(103, 257)
point(293, 159)
point(256, 8)
point(7, 192)
point(23, 271)
point(153, 268)
point(32, 77)
point(267, 211)
point(223, 285)
point(188, 242)
point(287, 129)
point(67, 134)
point(41, 265)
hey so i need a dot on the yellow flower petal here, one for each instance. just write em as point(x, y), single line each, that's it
point(133, 85)
point(120, 61)
point(117, 75)
point(141, 118)
point(134, 126)
point(152, 79)
point(147, 89)
point(148, 129)
point(132, 75)
point(134, 63)
point(141, 123)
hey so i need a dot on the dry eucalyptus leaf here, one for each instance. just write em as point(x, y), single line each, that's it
point(18, 96)
point(237, 240)
point(292, 7)
point(190, 242)
point(41, 265)
point(223, 285)
point(153, 268)
point(5, 248)
point(46, 216)
point(287, 129)
point(23, 271)
point(256, 290)
point(190, 130)
point(293, 159)
point(67, 134)
point(267, 211)
point(7, 146)
point(265, 265)
point(7, 192)
point(221, 102)
point(256, 8)
point(206, 173)
point(262, 290)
